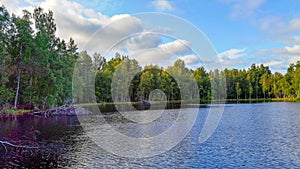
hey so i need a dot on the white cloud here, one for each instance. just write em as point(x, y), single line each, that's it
point(280, 58)
point(268, 24)
point(273, 63)
point(280, 27)
point(244, 8)
point(153, 56)
point(232, 63)
point(282, 30)
point(292, 40)
point(15, 7)
point(293, 50)
point(231, 54)
point(163, 5)
point(80, 23)
point(165, 54)
point(190, 59)
point(231, 57)
point(294, 24)
point(75, 21)
point(277, 26)
point(177, 46)
point(32, 2)
point(294, 59)
point(142, 40)
point(278, 64)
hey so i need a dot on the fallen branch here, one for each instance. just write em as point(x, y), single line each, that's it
point(14, 145)
point(62, 111)
point(56, 111)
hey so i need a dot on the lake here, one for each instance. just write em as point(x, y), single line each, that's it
point(259, 135)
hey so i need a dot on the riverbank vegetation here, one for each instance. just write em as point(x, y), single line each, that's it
point(36, 68)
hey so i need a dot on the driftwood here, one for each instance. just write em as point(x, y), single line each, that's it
point(6, 143)
point(14, 145)
point(62, 111)
point(68, 111)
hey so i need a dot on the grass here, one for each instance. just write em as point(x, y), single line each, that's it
point(105, 103)
point(285, 100)
point(249, 100)
point(13, 112)
point(197, 101)
point(124, 103)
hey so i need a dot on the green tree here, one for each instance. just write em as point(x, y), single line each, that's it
point(22, 50)
point(6, 25)
point(184, 79)
point(202, 78)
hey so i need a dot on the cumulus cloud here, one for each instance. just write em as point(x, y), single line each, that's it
point(294, 59)
point(32, 2)
point(282, 30)
point(190, 59)
point(153, 56)
point(163, 5)
point(75, 21)
point(277, 26)
point(280, 58)
point(273, 63)
point(294, 24)
point(96, 32)
point(80, 23)
point(293, 50)
point(142, 40)
point(231, 54)
point(165, 54)
point(292, 40)
point(244, 8)
point(268, 24)
point(232, 63)
point(176, 47)
point(16, 6)
point(230, 57)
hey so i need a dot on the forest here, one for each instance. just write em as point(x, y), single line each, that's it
point(37, 68)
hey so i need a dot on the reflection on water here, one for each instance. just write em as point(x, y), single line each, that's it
point(261, 135)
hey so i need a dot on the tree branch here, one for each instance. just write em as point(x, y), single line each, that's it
point(14, 145)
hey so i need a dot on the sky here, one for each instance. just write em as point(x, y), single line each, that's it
point(242, 32)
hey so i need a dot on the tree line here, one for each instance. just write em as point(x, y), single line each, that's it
point(37, 68)
point(256, 82)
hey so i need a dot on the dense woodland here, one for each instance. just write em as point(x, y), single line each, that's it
point(37, 68)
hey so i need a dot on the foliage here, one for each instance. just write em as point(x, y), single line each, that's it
point(37, 68)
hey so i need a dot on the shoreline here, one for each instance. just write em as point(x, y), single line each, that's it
point(65, 110)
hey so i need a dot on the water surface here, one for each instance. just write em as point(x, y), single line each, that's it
point(260, 135)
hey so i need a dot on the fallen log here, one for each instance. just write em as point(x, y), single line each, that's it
point(6, 143)
point(69, 111)
point(14, 145)
point(62, 111)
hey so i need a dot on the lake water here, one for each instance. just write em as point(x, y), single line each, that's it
point(260, 135)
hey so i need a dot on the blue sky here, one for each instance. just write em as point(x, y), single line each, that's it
point(242, 31)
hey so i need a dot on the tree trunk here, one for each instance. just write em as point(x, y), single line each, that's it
point(18, 79)
point(30, 84)
point(17, 89)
